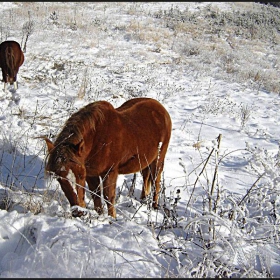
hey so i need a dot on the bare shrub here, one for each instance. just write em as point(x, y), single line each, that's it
point(27, 29)
point(245, 112)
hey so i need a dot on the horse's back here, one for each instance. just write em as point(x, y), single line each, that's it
point(145, 118)
point(10, 44)
point(136, 102)
point(142, 108)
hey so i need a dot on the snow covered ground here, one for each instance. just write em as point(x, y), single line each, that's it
point(222, 172)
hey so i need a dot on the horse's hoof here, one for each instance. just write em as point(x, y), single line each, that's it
point(77, 211)
point(155, 206)
point(144, 200)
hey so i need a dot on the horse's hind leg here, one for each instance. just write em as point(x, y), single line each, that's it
point(151, 177)
point(157, 168)
point(155, 181)
point(15, 81)
point(146, 189)
point(95, 188)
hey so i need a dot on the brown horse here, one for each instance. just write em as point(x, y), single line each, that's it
point(99, 142)
point(11, 58)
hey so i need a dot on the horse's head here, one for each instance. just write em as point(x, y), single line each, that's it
point(66, 165)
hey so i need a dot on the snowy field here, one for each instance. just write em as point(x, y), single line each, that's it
point(215, 68)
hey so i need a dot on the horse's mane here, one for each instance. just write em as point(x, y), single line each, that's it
point(73, 132)
point(80, 122)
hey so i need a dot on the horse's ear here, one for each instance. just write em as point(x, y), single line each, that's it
point(49, 143)
point(80, 147)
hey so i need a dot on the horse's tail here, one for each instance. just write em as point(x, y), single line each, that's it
point(10, 61)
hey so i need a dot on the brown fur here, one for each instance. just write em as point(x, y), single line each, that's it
point(100, 141)
point(11, 58)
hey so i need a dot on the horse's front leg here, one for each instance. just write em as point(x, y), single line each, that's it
point(109, 191)
point(95, 188)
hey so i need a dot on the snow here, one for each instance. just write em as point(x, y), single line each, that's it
point(114, 54)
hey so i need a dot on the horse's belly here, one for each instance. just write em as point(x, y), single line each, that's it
point(129, 167)
point(134, 164)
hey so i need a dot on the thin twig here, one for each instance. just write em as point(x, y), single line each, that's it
point(248, 192)
point(215, 173)
point(199, 176)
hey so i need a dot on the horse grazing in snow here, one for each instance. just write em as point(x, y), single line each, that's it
point(11, 58)
point(98, 142)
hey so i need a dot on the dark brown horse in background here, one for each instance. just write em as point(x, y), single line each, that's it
point(11, 58)
point(100, 142)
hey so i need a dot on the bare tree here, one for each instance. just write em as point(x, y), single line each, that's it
point(27, 30)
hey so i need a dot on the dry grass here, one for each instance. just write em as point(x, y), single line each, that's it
point(198, 40)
